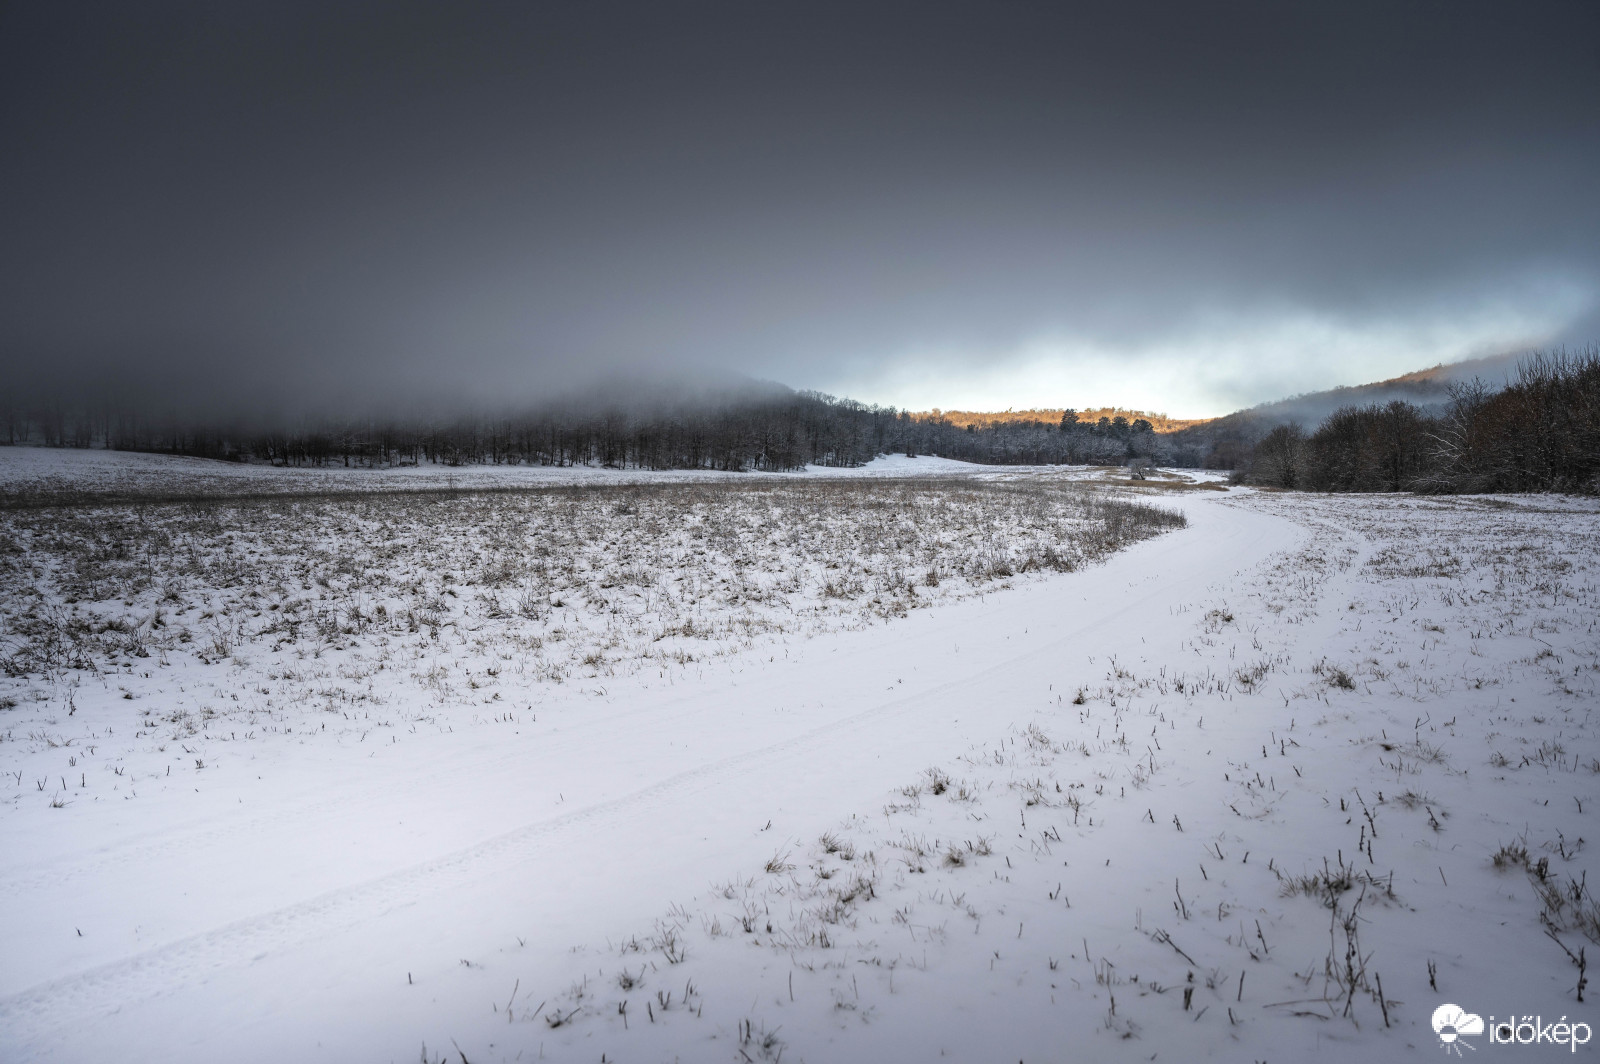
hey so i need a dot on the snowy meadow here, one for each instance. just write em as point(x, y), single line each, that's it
point(454, 590)
point(1033, 766)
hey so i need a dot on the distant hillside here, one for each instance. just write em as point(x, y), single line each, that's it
point(1224, 439)
point(1423, 387)
point(694, 423)
point(1052, 416)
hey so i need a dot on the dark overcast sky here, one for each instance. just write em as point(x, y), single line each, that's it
point(1180, 206)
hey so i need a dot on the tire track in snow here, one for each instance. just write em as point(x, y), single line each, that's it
point(152, 847)
point(27, 1017)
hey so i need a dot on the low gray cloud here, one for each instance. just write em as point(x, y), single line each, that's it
point(295, 206)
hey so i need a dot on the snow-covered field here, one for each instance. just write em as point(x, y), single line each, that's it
point(34, 475)
point(985, 765)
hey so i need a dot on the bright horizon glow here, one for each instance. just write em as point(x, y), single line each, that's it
point(1222, 364)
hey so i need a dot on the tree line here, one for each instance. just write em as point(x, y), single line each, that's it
point(1541, 432)
point(774, 429)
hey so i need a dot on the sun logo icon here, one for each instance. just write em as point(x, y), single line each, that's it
point(1450, 1022)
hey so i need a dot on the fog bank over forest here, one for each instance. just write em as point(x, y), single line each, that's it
point(1448, 428)
point(725, 422)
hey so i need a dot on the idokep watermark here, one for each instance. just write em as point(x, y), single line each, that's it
point(1458, 1029)
point(1532, 1030)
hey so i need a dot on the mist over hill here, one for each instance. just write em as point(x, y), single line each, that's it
point(1538, 430)
point(726, 423)
point(1224, 440)
point(690, 420)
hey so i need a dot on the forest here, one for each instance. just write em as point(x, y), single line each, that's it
point(1541, 432)
point(771, 429)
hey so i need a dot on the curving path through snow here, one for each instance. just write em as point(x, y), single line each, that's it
point(343, 910)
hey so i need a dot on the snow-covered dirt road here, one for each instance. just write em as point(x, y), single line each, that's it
point(964, 831)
